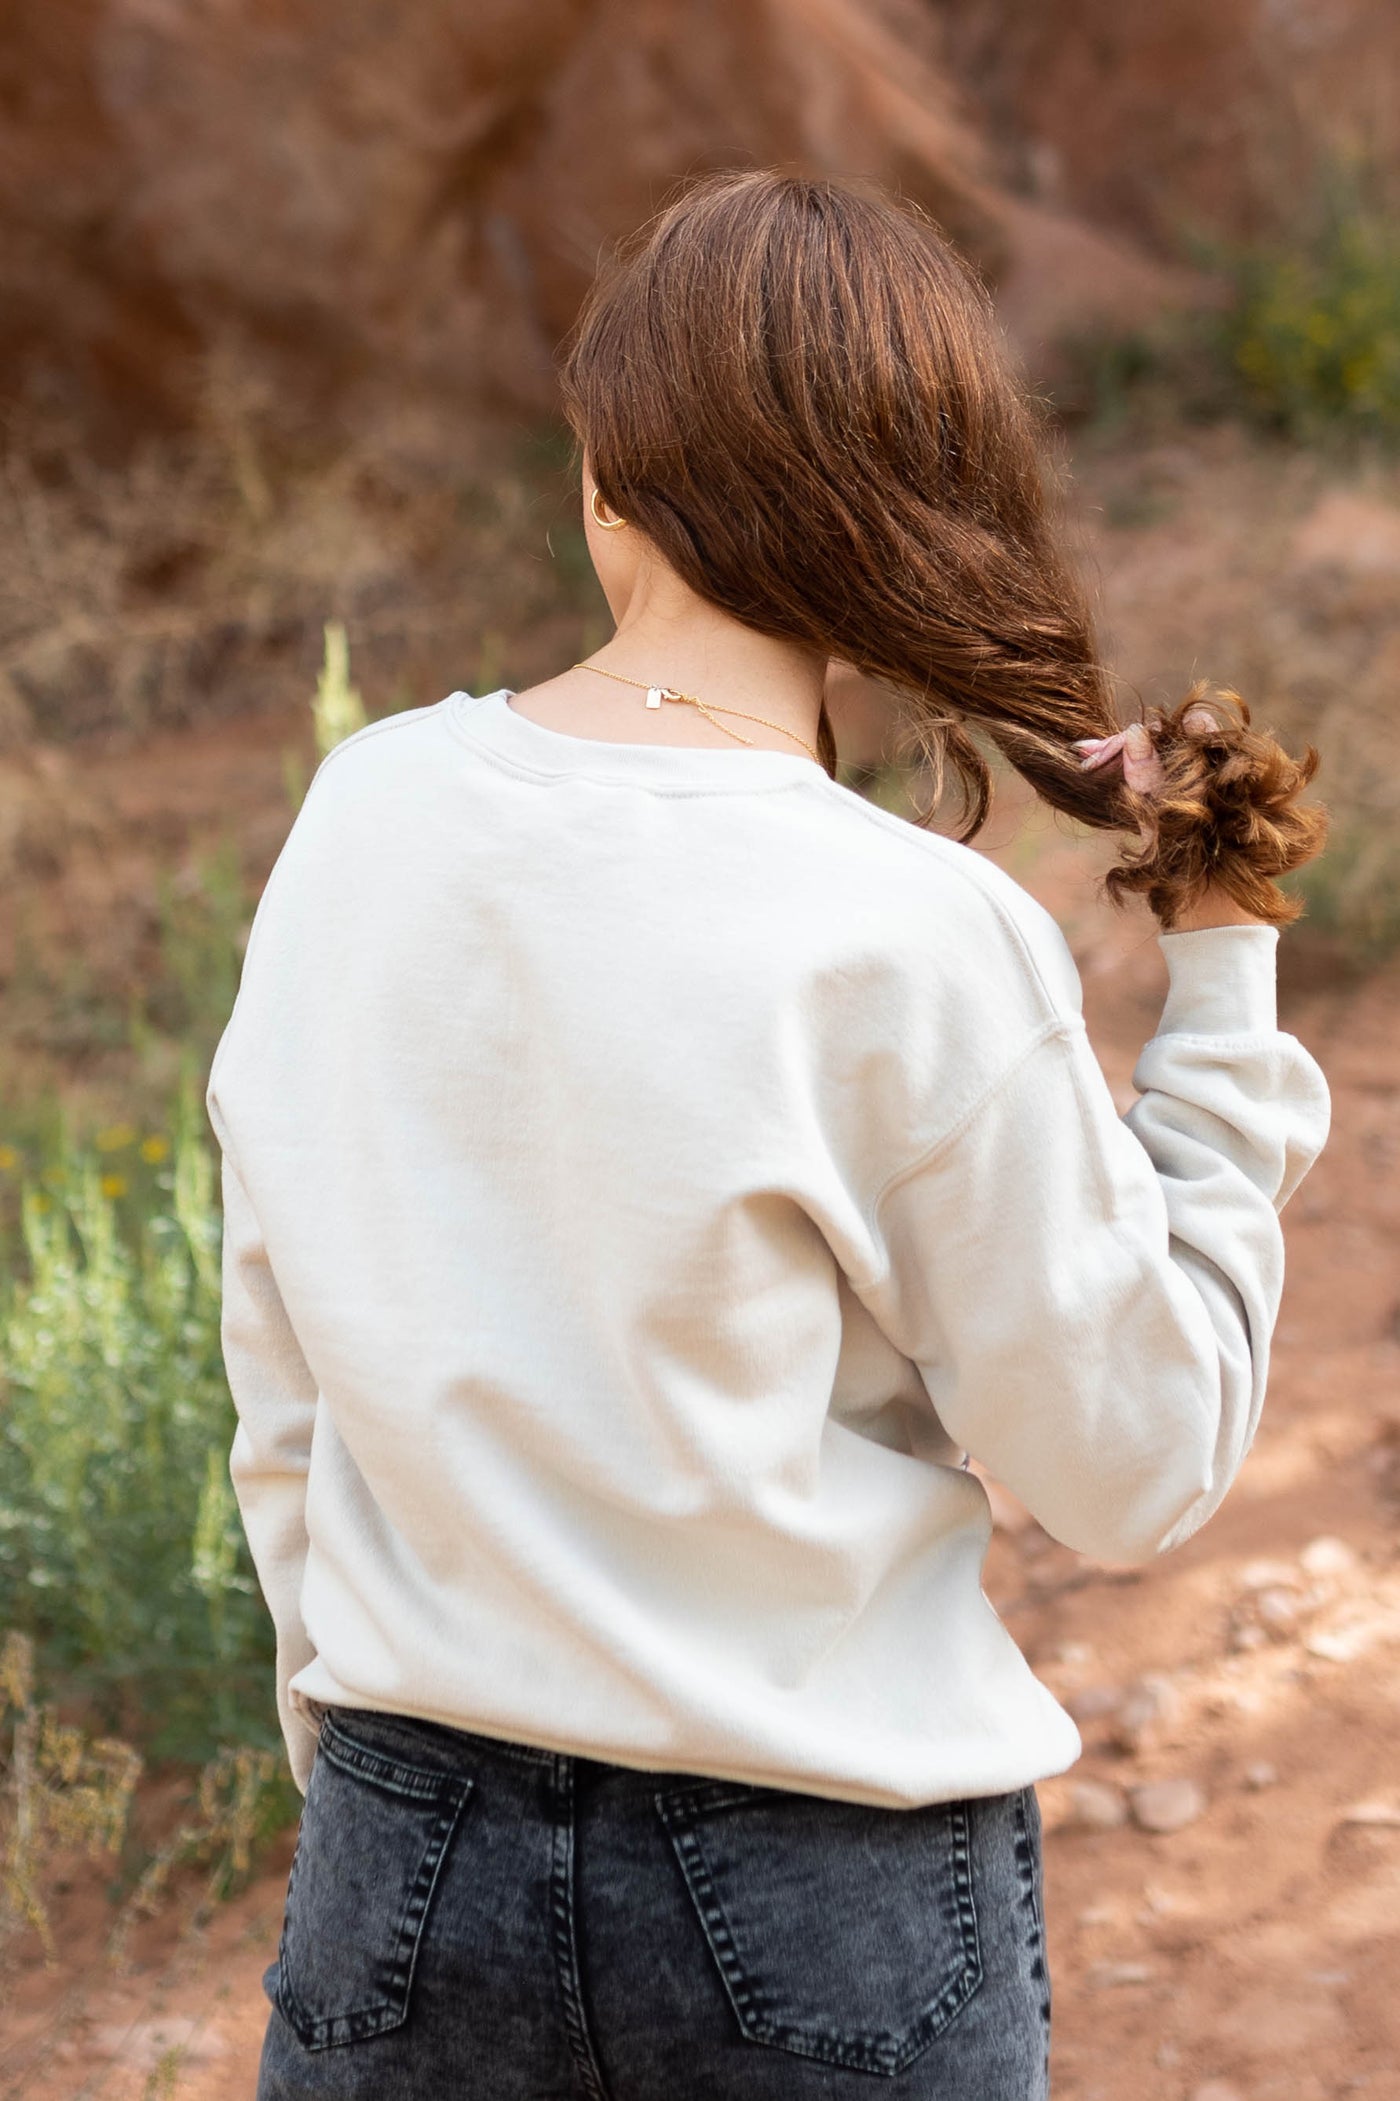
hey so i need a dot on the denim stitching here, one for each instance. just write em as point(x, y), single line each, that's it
point(415, 1782)
point(420, 1896)
point(522, 1754)
point(961, 1821)
point(1025, 1862)
point(865, 2051)
point(287, 1907)
point(709, 1794)
point(705, 1898)
point(331, 2030)
point(495, 1747)
point(565, 1936)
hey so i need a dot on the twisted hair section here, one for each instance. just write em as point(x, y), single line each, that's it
point(1229, 813)
point(798, 392)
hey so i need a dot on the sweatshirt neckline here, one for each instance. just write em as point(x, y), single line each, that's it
point(488, 721)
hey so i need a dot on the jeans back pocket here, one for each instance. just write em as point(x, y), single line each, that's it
point(373, 1836)
point(841, 1932)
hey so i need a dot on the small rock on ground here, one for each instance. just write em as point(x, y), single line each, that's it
point(1148, 1707)
point(1094, 1806)
point(1106, 1976)
point(1166, 1805)
point(1327, 1557)
point(1092, 1702)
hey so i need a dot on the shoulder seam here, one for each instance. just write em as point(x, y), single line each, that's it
point(1063, 1027)
point(924, 842)
point(400, 719)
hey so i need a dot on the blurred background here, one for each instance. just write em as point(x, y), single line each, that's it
point(281, 287)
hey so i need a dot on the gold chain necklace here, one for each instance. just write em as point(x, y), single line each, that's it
point(708, 708)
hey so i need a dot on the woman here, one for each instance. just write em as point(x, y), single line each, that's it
point(650, 1172)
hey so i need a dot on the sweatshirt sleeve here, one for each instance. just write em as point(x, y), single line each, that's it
point(274, 1394)
point(1091, 1299)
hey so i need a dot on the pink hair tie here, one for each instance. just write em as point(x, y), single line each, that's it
point(1142, 769)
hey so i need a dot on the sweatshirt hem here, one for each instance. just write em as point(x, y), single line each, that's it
point(1005, 1777)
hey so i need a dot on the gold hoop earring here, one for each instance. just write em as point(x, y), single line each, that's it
point(609, 525)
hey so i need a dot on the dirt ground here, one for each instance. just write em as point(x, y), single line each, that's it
point(1224, 1863)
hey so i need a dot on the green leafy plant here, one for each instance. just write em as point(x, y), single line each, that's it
point(1313, 333)
point(1301, 334)
point(121, 1553)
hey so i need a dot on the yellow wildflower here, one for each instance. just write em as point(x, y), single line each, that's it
point(154, 1149)
point(114, 1185)
point(9, 1159)
point(114, 1137)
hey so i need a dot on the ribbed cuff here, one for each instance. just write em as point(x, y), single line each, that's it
point(1224, 981)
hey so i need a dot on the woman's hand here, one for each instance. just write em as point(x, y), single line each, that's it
point(1143, 771)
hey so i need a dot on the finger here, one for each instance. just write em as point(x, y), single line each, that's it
point(1142, 769)
point(1099, 751)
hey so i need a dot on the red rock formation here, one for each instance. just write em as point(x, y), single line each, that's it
point(366, 195)
point(1158, 117)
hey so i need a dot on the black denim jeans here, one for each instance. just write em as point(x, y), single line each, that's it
point(486, 1921)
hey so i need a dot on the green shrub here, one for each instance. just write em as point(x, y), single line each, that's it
point(1312, 334)
point(122, 1554)
point(1301, 337)
point(121, 1550)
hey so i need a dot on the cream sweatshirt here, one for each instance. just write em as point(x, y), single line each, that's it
point(648, 1173)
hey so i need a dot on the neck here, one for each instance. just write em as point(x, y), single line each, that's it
point(668, 636)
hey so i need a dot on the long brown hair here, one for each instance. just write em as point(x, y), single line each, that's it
point(798, 392)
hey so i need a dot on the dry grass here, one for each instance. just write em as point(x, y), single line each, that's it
point(195, 579)
point(64, 1792)
point(66, 1800)
point(1274, 569)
